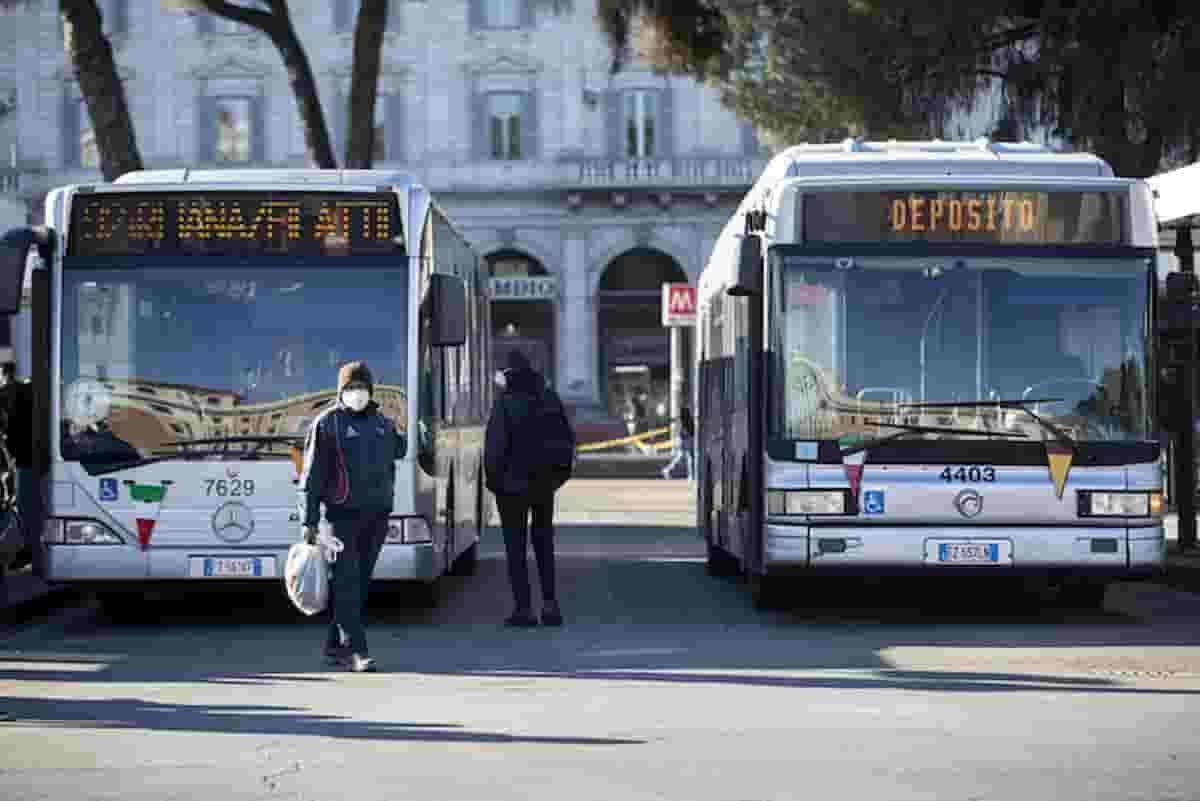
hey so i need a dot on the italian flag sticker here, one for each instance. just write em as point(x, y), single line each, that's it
point(150, 498)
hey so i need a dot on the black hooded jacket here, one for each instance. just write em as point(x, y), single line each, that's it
point(507, 465)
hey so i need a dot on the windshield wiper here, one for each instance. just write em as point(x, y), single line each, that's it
point(1021, 404)
point(907, 429)
point(259, 440)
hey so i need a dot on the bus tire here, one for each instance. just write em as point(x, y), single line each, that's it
point(423, 594)
point(767, 592)
point(1082, 595)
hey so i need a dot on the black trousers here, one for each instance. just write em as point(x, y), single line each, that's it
point(350, 578)
point(515, 514)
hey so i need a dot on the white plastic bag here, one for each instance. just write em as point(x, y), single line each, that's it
point(307, 578)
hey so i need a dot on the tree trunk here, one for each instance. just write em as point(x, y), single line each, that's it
point(364, 83)
point(91, 58)
point(304, 87)
point(277, 25)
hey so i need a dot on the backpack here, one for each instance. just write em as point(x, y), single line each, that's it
point(549, 440)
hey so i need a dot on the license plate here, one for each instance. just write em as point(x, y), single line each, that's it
point(986, 552)
point(232, 567)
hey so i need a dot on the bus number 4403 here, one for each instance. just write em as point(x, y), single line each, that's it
point(971, 474)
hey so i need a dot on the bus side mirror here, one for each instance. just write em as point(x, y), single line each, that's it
point(14, 252)
point(448, 310)
point(748, 280)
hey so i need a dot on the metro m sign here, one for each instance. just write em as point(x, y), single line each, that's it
point(678, 305)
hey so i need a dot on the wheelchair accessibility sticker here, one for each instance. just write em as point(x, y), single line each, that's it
point(873, 502)
point(108, 489)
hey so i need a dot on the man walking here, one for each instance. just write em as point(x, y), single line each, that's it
point(528, 455)
point(16, 399)
point(350, 467)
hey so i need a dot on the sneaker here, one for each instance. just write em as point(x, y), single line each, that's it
point(361, 663)
point(551, 614)
point(666, 474)
point(520, 620)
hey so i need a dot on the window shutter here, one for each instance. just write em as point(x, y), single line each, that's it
point(666, 124)
point(475, 14)
point(206, 129)
point(204, 23)
point(341, 16)
point(393, 132)
point(258, 130)
point(70, 127)
point(479, 126)
point(527, 19)
point(614, 114)
point(531, 127)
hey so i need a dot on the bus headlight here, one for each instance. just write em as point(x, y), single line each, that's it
point(78, 532)
point(806, 502)
point(1120, 504)
point(408, 531)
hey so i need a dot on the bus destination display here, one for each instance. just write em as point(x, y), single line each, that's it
point(234, 224)
point(996, 217)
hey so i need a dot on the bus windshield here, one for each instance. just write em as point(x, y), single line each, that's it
point(224, 362)
point(1003, 346)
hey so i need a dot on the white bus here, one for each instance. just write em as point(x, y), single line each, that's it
point(189, 325)
point(932, 358)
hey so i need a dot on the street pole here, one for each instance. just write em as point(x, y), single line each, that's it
point(678, 365)
point(1185, 463)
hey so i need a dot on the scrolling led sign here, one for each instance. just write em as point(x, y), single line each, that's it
point(996, 217)
point(235, 224)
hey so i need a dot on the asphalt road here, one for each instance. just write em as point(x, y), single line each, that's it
point(664, 684)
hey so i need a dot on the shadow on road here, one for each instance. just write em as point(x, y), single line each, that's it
point(137, 713)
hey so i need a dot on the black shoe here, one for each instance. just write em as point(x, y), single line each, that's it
point(551, 614)
point(520, 620)
point(337, 656)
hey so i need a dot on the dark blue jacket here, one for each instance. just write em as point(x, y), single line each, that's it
point(349, 464)
point(508, 463)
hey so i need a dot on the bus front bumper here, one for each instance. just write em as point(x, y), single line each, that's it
point(1116, 551)
point(87, 564)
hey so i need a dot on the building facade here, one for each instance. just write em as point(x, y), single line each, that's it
point(585, 190)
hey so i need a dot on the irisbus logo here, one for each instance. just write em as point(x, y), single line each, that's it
point(969, 503)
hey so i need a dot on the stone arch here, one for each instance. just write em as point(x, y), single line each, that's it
point(633, 370)
point(520, 321)
point(628, 242)
point(533, 250)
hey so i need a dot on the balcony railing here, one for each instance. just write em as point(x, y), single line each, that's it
point(690, 171)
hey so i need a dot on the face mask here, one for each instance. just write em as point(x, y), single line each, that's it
point(356, 399)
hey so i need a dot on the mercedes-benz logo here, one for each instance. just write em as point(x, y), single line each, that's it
point(233, 521)
point(969, 503)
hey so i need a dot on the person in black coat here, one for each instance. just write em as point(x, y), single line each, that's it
point(16, 407)
point(523, 488)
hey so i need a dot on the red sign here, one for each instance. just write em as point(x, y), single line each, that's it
point(678, 305)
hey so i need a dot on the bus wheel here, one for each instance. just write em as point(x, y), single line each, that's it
point(423, 594)
point(1082, 595)
point(766, 591)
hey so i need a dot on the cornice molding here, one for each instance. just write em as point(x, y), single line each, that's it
point(231, 65)
point(503, 62)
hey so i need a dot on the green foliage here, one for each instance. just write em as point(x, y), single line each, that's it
point(1112, 76)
